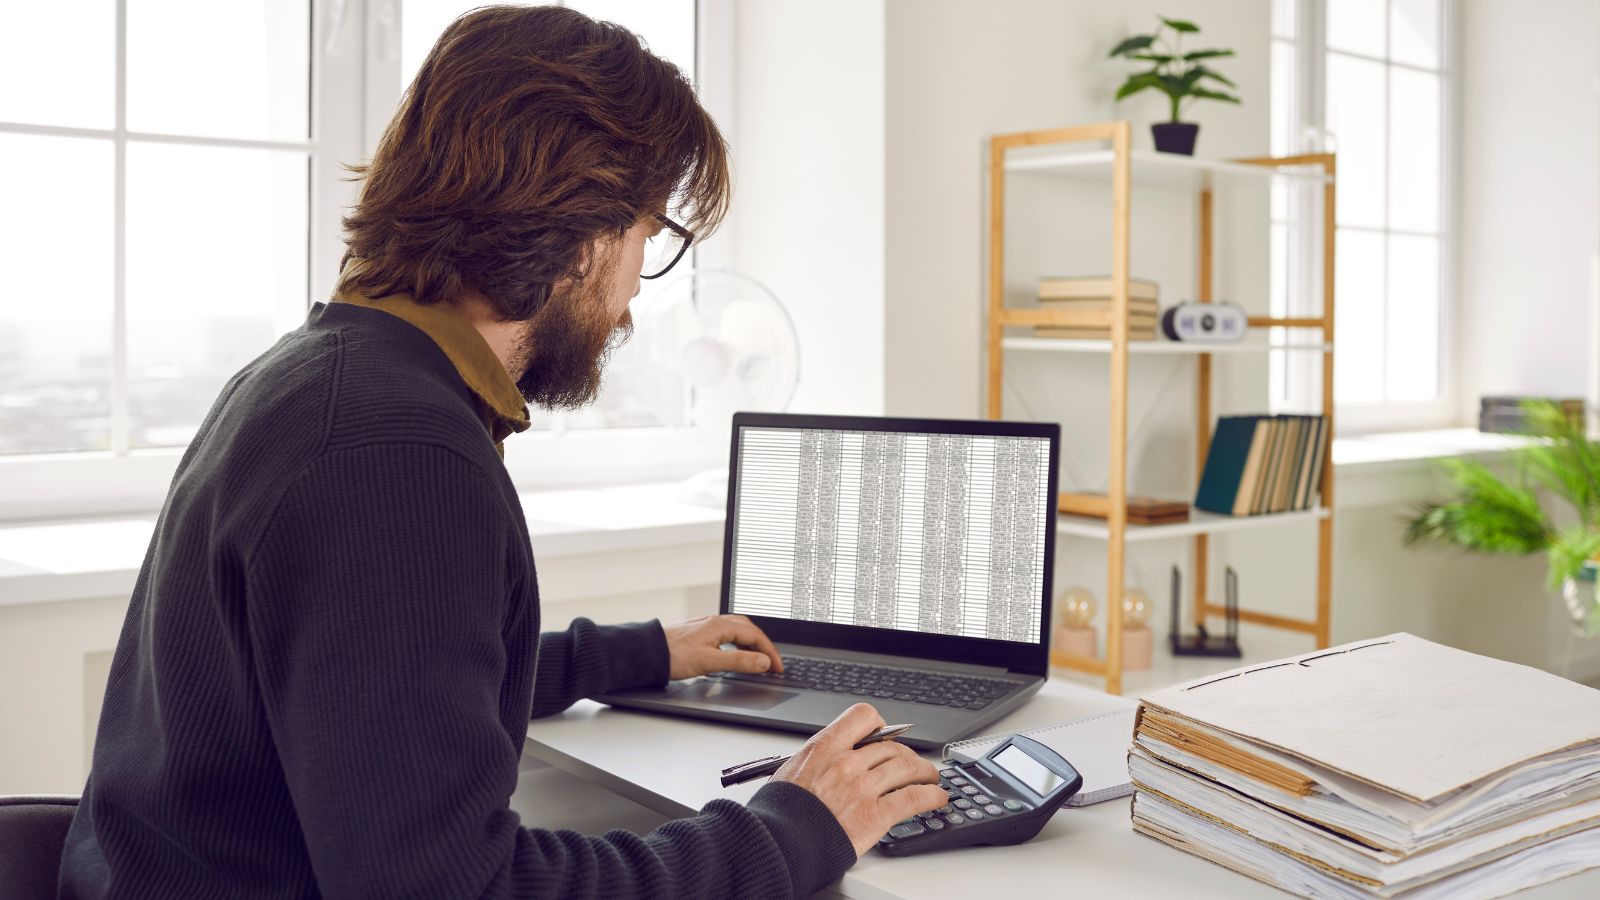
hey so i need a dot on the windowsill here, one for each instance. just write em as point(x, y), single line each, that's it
point(100, 557)
point(90, 558)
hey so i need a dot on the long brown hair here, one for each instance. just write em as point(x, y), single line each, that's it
point(528, 134)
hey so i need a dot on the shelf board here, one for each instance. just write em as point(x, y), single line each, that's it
point(1153, 169)
point(1073, 345)
point(1199, 523)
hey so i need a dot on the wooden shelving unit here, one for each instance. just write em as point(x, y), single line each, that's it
point(1059, 151)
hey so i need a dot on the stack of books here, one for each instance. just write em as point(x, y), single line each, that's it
point(1263, 464)
point(1141, 510)
point(1093, 295)
point(1505, 415)
point(1392, 767)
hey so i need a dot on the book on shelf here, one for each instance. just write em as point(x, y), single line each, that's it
point(1258, 465)
point(1136, 332)
point(1141, 510)
point(1094, 287)
point(1392, 767)
point(1137, 309)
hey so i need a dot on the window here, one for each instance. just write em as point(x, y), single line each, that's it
point(169, 206)
point(1370, 80)
point(129, 295)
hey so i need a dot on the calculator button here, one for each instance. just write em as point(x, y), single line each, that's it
point(959, 781)
point(992, 810)
point(969, 790)
point(954, 819)
point(974, 814)
point(1013, 805)
point(906, 830)
point(934, 824)
point(963, 804)
point(947, 809)
point(981, 799)
point(948, 773)
point(926, 815)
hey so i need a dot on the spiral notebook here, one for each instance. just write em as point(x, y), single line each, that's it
point(1097, 746)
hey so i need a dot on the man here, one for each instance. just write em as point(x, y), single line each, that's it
point(332, 651)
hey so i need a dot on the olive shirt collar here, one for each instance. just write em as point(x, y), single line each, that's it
point(503, 408)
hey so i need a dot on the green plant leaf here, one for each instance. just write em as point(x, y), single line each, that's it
point(1569, 550)
point(1214, 95)
point(1153, 57)
point(1181, 25)
point(1193, 55)
point(1488, 515)
point(1566, 461)
point(1137, 83)
point(1137, 42)
point(1214, 75)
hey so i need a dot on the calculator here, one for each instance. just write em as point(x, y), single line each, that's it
point(1004, 798)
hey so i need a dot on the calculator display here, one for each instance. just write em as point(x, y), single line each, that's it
point(1027, 770)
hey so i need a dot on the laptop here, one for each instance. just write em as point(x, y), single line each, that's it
point(905, 563)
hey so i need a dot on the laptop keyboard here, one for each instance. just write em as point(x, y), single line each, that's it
point(880, 682)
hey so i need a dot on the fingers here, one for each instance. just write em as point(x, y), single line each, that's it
point(855, 723)
point(908, 801)
point(742, 661)
point(903, 769)
point(874, 755)
point(745, 633)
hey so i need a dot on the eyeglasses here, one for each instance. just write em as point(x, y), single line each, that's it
point(663, 249)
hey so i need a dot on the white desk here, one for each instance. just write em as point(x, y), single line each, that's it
point(671, 765)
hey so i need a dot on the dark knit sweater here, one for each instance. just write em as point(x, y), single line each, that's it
point(332, 654)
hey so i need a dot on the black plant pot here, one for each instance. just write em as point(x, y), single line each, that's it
point(1175, 137)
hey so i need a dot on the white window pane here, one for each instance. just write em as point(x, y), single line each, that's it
point(58, 63)
point(1283, 20)
point(1414, 32)
point(240, 69)
point(1357, 26)
point(1413, 317)
point(55, 293)
point(1285, 115)
point(1359, 319)
point(1414, 154)
point(1355, 106)
point(207, 277)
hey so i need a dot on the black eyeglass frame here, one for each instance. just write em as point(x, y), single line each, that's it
point(688, 239)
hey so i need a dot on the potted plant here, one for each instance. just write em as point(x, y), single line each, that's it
point(1490, 514)
point(1177, 74)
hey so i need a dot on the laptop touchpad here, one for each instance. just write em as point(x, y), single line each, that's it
point(742, 695)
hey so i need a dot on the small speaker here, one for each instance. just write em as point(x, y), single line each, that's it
point(1205, 323)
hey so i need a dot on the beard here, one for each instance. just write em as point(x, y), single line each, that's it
point(567, 342)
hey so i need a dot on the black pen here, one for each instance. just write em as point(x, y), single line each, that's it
point(759, 768)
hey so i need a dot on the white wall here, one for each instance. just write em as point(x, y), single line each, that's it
point(1530, 198)
point(808, 208)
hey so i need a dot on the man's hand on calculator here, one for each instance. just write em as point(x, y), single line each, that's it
point(867, 789)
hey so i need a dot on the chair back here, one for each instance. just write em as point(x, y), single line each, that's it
point(33, 831)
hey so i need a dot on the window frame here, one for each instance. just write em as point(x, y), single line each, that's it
point(354, 76)
point(1309, 134)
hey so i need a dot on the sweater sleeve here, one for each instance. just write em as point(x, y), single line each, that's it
point(589, 659)
point(376, 600)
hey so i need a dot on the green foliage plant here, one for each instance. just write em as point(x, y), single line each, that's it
point(1178, 74)
point(1491, 514)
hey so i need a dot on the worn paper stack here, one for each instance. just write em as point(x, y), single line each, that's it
point(1393, 767)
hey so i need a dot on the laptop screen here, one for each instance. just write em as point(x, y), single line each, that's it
point(897, 524)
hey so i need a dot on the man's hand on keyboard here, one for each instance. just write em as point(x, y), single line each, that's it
point(868, 789)
point(695, 647)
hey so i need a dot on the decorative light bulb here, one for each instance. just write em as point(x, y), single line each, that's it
point(1136, 607)
point(1077, 607)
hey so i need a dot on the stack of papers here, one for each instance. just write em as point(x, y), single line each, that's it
point(1393, 767)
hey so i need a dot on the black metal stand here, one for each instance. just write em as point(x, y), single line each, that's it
point(1205, 643)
